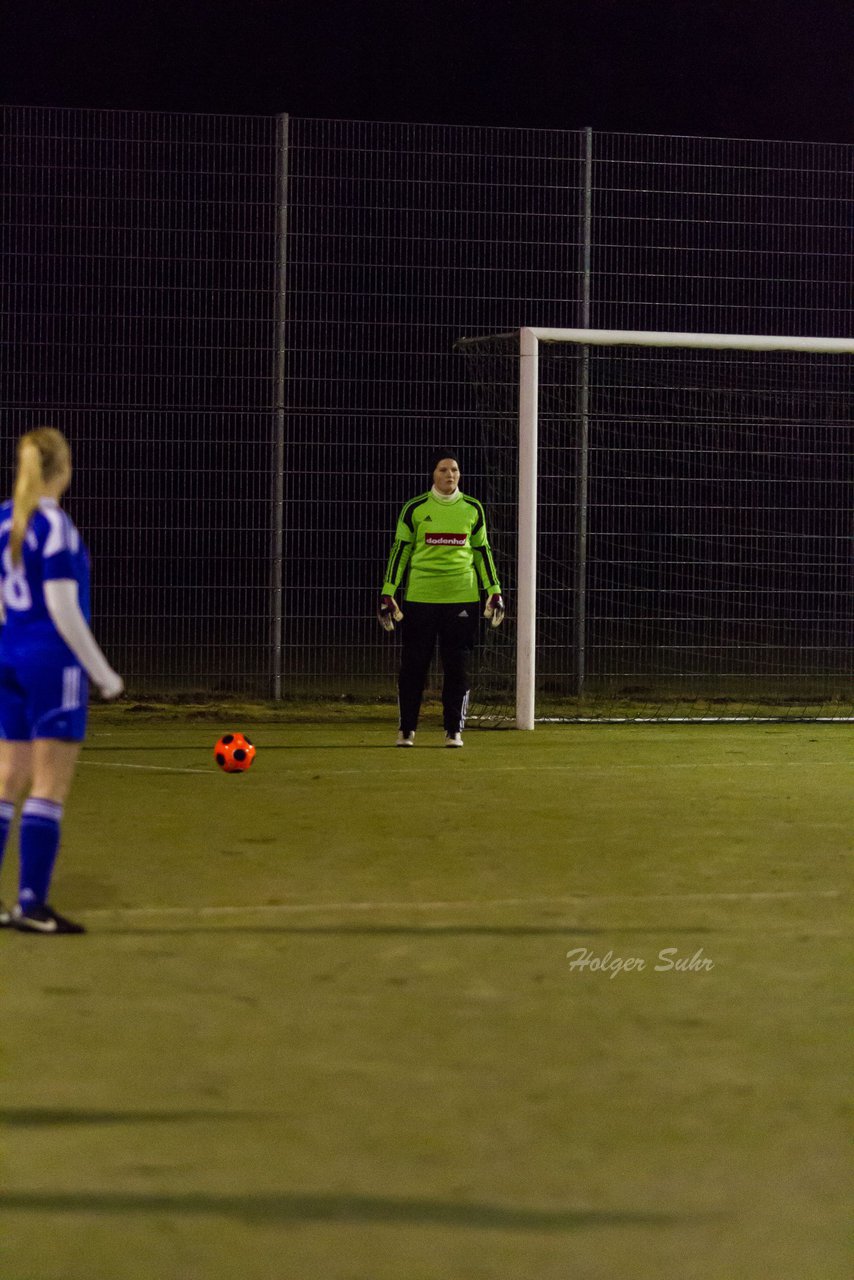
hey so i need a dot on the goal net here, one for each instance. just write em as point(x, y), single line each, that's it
point(673, 518)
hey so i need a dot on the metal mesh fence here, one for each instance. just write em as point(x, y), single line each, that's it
point(719, 568)
point(400, 238)
point(247, 329)
point(139, 318)
point(717, 235)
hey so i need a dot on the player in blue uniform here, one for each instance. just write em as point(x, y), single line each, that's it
point(48, 655)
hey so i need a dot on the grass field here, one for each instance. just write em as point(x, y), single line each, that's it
point(324, 1025)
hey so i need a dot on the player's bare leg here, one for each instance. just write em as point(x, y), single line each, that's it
point(54, 763)
point(15, 769)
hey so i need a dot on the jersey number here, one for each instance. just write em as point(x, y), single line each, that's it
point(16, 589)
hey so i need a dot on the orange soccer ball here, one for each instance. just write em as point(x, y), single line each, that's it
point(234, 753)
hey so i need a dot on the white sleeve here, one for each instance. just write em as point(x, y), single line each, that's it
point(60, 596)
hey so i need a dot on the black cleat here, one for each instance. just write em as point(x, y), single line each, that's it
point(43, 919)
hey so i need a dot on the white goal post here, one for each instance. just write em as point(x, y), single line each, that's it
point(529, 342)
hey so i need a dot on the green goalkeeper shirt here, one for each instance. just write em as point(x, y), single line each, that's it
point(443, 543)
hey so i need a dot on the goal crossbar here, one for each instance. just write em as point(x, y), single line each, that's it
point(529, 339)
point(653, 338)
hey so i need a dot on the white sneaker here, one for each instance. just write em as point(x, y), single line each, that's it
point(453, 740)
point(405, 739)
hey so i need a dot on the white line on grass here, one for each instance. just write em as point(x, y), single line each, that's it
point(152, 768)
point(292, 908)
point(319, 770)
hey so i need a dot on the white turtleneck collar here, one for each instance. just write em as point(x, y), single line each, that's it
point(445, 497)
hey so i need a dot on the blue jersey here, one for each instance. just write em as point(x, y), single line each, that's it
point(52, 549)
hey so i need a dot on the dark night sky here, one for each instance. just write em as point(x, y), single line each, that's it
point(738, 68)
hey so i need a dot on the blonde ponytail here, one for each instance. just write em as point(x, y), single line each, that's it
point(42, 455)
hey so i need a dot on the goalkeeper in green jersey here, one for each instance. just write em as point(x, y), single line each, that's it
point(442, 551)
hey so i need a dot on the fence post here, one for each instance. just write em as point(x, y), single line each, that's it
point(582, 481)
point(276, 559)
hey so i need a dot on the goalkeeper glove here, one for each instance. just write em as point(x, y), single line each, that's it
point(494, 609)
point(389, 613)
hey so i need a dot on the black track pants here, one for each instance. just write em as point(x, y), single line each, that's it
point(455, 627)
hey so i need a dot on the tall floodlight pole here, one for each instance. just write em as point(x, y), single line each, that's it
point(582, 479)
point(277, 549)
point(526, 577)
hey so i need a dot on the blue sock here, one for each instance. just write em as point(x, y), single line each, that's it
point(40, 820)
point(7, 813)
